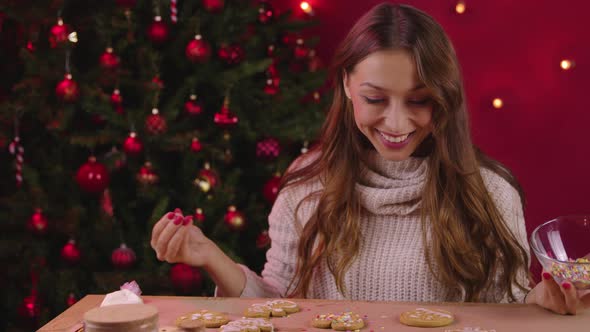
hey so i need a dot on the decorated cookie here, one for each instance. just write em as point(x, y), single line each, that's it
point(423, 317)
point(248, 325)
point(201, 328)
point(274, 308)
point(283, 307)
point(347, 321)
point(323, 321)
point(258, 311)
point(206, 317)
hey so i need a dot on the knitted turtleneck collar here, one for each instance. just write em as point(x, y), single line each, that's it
point(392, 187)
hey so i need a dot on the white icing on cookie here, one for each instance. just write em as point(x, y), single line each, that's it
point(240, 324)
point(435, 313)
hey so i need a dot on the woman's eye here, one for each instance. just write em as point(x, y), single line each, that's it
point(373, 100)
point(419, 102)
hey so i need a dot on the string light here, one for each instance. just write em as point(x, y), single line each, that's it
point(566, 64)
point(497, 103)
point(73, 37)
point(460, 7)
point(306, 7)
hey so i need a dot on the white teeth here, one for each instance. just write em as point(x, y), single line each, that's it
point(398, 139)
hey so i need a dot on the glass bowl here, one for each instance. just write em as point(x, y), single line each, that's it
point(562, 246)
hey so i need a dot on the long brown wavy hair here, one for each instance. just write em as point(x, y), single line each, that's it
point(469, 241)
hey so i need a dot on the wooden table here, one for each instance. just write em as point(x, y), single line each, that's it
point(381, 316)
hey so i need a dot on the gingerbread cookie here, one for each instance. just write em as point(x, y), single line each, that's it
point(258, 311)
point(206, 317)
point(323, 321)
point(248, 325)
point(423, 317)
point(347, 321)
point(283, 307)
point(274, 308)
point(178, 329)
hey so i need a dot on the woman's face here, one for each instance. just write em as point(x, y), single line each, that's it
point(392, 108)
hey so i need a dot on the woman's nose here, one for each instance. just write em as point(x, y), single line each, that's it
point(396, 117)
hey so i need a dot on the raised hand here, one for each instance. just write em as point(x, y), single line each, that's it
point(176, 240)
point(562, 299)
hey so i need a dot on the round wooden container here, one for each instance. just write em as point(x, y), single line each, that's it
point(122, 317)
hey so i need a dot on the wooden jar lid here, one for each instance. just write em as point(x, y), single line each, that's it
point(121, 316)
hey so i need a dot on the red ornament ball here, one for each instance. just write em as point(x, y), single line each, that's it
point(271, 87)
point(234, 219)
point(155, 124)
point(315, 62)
point(92, 177)
point(214, 6)
point(265, 13)
point(67, 90)
point(271, 188)
point(127, 4)
point(199, 216)
point(224, 118)
point(117, 101)
point(109, 60)
point(207, 179)
point(71, 300)
point(185, 279)
point(132, 145)
point(198, 50)
point(70, 253)
point(58, 34)
point(263, 240)
point(192, 106)
point(38, 223)
point(30, 308)
point(123, 257)
point(158, 31)
point(146, 175)
point(196, 145)
point(301, 51)
point(268, 149)
point(231, 54)
point(272, 70)
point(157, 83)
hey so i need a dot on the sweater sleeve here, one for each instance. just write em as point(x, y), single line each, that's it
point(507, 200)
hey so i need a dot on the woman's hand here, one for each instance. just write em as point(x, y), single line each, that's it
point(176, 240)
point(562, 299)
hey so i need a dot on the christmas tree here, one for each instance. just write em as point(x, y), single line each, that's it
point(116, 112)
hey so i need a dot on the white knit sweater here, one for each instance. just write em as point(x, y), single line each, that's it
point(390, 265)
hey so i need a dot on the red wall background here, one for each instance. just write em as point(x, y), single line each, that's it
point(512, 50)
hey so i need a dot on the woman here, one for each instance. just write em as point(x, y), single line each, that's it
point(395, 203)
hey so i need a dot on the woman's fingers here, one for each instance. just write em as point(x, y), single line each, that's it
point(174, 245)
point(166, 235)
point(159, 226)
point(552, 297)
point(571, 297)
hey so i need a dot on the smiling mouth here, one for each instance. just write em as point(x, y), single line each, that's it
point(396, 139)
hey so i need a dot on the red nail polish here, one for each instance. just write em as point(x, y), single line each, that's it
point(187, 220)
point(170, 215)
point(566, 285)
point(178, 220)
point(546, 275)
point(177, 210)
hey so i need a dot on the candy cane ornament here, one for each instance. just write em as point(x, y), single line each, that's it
point(17, 149)
point(173, 11)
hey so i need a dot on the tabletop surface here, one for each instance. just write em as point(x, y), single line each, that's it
point(379, 316)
